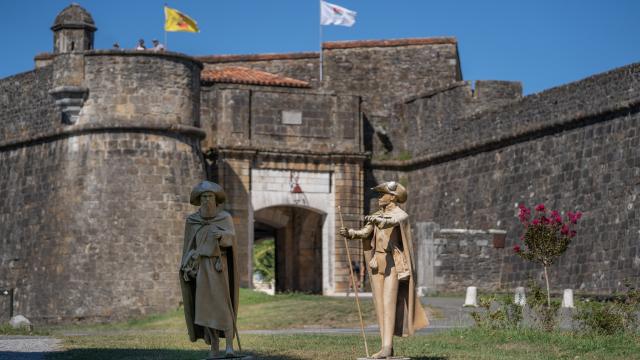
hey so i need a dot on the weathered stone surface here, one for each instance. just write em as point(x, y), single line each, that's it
point(87, 204)
point(590, 165)
point(95, 231)
point(19, 321)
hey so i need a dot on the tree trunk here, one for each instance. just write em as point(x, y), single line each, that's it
point(546, 278)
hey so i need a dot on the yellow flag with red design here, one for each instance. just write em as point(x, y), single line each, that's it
point(174, 20)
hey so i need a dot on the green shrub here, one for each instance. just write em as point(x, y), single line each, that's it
point(616, 316)
point(498, 312)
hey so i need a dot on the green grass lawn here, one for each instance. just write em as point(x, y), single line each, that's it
point(456, 344)
point(257, 311)
point(164, 336)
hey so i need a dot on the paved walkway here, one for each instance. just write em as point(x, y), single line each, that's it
point(26, 347)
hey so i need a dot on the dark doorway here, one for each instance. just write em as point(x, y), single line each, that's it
point(298, 246)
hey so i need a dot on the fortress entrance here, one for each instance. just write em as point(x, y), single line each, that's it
point(297, 237)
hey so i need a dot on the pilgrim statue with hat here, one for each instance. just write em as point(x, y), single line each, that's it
point(208, 272)
point(386, 240)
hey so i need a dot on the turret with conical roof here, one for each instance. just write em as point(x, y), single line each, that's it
point(73, 30)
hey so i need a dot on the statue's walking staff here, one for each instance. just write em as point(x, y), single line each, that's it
point(355, 288)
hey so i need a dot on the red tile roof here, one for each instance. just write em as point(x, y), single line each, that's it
point(243, 75)
point(328, 46)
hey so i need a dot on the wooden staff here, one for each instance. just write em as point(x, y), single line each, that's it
point(355, 288)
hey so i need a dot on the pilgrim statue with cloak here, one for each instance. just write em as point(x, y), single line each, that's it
point(208, 272)
point(386, 240)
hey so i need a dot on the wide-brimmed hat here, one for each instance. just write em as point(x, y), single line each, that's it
point(207, 186)
point(393, 188)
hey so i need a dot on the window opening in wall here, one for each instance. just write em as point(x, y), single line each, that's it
point(73, 45)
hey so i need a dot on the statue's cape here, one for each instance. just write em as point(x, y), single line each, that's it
point(410, 315)
point(223, 224)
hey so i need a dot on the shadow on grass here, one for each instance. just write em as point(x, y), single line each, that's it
point(139, 354)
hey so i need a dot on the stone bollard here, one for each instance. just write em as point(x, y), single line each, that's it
point(520, 297)
point(472, 297)
point(20, 322)
point(567, 298)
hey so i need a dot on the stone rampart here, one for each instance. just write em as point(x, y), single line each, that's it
point(556, 148)
point(27, 108)
point(94, 205)
point(441, 128)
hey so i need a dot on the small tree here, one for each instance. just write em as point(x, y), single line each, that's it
point(546, 237)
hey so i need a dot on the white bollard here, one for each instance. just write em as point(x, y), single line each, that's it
point(567, 298)
point(520, 298)
point(472, 297)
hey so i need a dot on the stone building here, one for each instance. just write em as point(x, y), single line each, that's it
point(99, 150)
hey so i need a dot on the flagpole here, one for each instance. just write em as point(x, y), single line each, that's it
point(164, 26)
point(321, 57)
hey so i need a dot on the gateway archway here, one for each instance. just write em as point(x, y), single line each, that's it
point(297, 234)
point(299, 207)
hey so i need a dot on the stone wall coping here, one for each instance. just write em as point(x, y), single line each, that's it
point(497, 231)
point(465, 231)
point(333, 45)
point(74, 130)
point(250, 151)
point(127, 52)
point(132, 52)
point(435, 91)
point(44, 56)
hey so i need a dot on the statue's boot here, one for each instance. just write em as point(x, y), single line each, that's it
point(384, 353)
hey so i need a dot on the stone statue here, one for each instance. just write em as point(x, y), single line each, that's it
point(386, 238)
point(208, 271)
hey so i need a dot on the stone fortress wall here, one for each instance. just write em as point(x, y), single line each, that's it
point(574, 147)
point(469, 155)
point(99, 150)
point(98, 153)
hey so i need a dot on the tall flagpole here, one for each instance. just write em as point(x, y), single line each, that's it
point(164, 26)
point(321, 57)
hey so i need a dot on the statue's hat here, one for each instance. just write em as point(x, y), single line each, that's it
point(393, 188)
point(207, 186)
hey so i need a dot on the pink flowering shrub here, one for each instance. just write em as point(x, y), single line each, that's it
point(547, 235)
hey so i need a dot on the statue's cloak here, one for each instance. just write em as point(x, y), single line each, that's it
point(216, 298)
point(410, 315)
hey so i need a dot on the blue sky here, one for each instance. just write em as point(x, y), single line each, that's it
point(543, 43)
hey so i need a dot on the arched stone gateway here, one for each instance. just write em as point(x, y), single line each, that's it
point(299, 205)
point(298, 234)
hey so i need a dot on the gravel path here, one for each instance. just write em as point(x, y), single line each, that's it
point(26, 347)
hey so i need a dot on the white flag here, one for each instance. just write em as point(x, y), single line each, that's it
point(331, 14)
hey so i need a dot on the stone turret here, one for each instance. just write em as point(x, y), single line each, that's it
point(73, 30)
